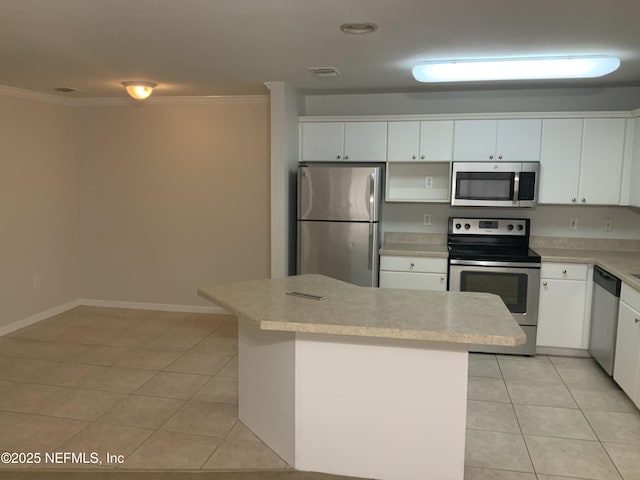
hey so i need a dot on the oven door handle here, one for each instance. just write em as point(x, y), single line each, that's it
point(516, 187)
point(487, 263)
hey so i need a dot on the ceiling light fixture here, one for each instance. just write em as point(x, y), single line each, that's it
point(358, 28)
point(139, 90)
point(534, 68)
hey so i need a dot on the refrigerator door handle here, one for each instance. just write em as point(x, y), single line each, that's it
point(371, 246)
point(372, 196)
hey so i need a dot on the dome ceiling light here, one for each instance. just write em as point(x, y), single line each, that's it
point(139, 90)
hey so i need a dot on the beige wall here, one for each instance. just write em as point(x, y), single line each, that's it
point(38, 208)
point(130, 203)
point(172, 197)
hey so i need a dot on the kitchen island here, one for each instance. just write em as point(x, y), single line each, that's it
point(358, 381)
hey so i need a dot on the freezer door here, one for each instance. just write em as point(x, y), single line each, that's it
point(339, 192)
point(342, 250)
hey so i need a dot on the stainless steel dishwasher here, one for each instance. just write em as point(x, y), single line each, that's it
point(604, 318)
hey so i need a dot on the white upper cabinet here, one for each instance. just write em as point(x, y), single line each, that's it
point(475, 140)
point(581, 161)
point(427, 141)
point(634, 192)
point(516, 140)
point(560, 160)
point(519, 140)
point(601, 164)
point(365, 141)
point(322, 141)
point(348, 141)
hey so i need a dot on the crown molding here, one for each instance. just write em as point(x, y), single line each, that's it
point(31, 95)
point(127, 102)
point(160, 101)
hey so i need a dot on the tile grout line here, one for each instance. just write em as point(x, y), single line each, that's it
point(96, 421)
point(588, 422)
point(524, 440)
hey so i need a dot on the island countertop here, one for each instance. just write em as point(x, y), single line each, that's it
point(346, 309)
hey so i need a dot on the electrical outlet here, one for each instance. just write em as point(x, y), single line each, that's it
point(573, 224)
point(428, 182)
point(427, 219)
point(607, 225)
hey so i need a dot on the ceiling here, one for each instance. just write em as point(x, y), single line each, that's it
point(231, 47)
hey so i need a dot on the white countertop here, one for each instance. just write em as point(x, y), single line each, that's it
point(346, 309)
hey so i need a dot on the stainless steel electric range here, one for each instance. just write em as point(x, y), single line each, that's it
point(493, 255)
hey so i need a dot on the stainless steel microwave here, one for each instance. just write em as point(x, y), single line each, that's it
point(494, 184)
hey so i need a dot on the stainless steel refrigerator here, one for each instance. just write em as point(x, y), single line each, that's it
point(338, 221)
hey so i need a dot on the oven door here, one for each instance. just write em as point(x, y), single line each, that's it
point(518, 284)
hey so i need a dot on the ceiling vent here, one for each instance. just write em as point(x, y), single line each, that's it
point(325, 71)
point(65, 89)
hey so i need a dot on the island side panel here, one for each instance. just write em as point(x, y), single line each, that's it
point(380, 408)
point(266, 390)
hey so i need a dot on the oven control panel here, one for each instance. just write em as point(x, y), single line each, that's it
point(516, 227)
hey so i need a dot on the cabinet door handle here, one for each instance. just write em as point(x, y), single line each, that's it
point(574, 199)
point(564, 272)
point(346, 157)
point(500, 157)
point(583, 200)
point(490, 157)
point(442, 280)
point(411, 265)
point(637, 320)
point(338, 157)
point(414, 157)
point(544, 284)
point(422, 157)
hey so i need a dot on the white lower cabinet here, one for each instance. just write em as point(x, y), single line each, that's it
point(562, 312)
point(413, 273)
point(626, 371)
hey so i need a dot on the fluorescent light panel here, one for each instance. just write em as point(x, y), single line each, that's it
point(515, 69)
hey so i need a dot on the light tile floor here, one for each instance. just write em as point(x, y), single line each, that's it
point(548, 418)
point(160, 389)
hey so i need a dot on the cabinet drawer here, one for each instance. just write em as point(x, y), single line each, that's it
point(413, 264)
point(414, 281)
point(630, 296)
point(566, 271)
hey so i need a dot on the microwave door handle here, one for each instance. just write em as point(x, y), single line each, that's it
point(516, 187)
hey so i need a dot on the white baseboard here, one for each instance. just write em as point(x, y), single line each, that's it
point(161, 307)
point(89, 302)
point(38, 317)
point(563, 352)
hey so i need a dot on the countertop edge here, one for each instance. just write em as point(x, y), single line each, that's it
point(413, 253)
point(373, 332)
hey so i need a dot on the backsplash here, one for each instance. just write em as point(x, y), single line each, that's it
point(546, 220)
point(415, 237)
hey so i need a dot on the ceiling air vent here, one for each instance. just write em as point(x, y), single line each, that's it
point(324, 71)
point(65, 89)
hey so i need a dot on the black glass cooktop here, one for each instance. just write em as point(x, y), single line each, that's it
point(493, 253)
